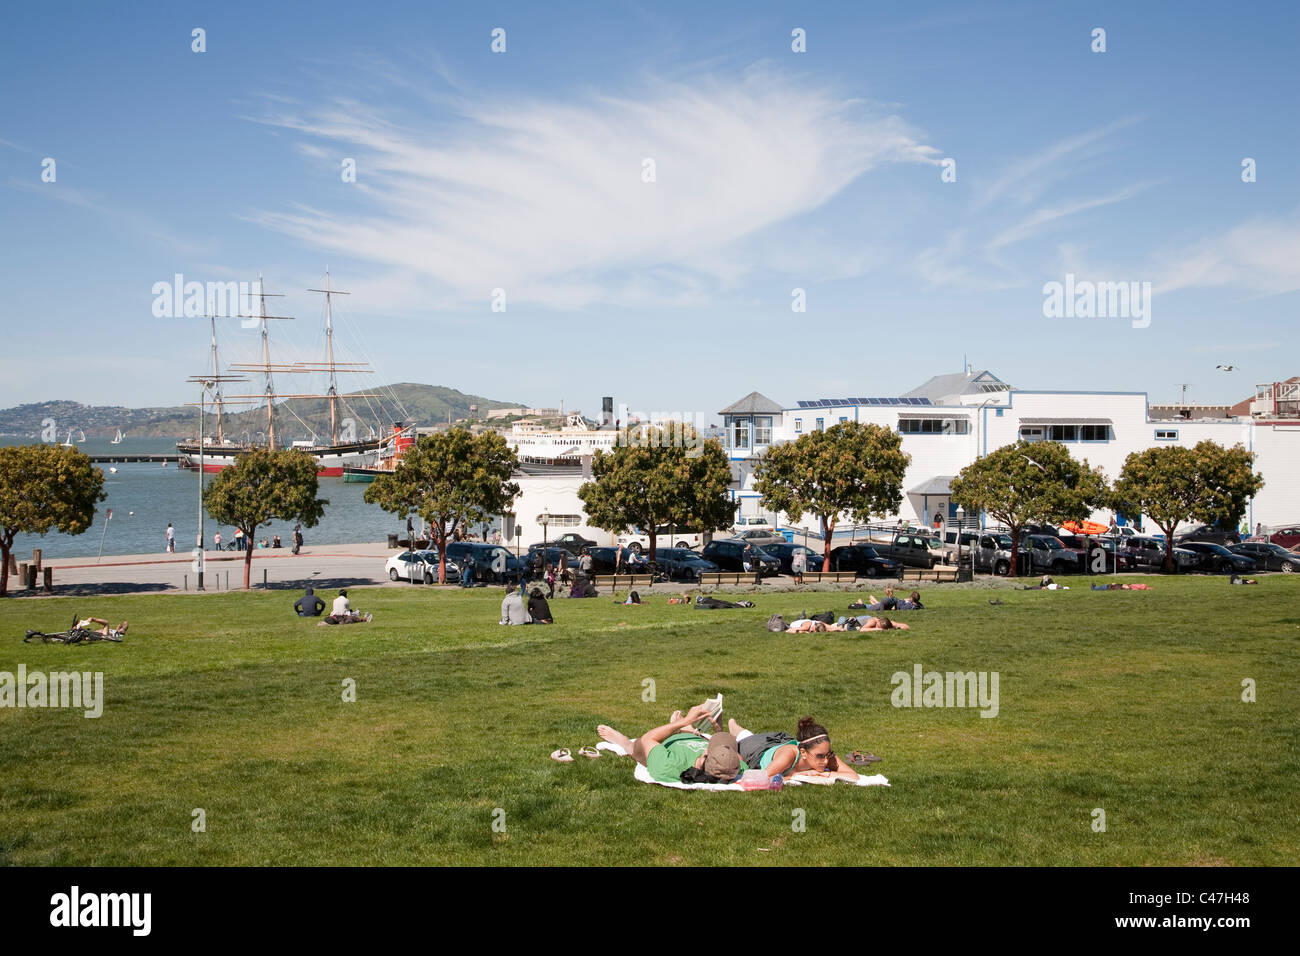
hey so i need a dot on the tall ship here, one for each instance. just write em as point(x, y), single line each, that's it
point(342, 449)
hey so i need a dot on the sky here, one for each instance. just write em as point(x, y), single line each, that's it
point(633, 199)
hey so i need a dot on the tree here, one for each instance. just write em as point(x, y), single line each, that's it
point(44, 487)
point(451, 480)
point(1172, 484)
point(265, 486)
point(659, 475)
point(850, 468)
point(1030, 481)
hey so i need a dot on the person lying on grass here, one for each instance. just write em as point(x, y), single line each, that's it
point(864, 623)
point(809, 751)
point(85, 624)
point(675, 753)
point(911, 603)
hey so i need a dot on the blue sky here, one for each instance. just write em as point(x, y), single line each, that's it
point(774, 170)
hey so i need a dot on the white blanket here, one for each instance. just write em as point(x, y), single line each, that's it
point(643, 775)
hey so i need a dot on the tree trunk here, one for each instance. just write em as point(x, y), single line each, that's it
point(248, 555)
point(5, 544)
point(654, 541)
point(441, 532)
point(828, 529)
point(1169, 545)
point(1015, 550)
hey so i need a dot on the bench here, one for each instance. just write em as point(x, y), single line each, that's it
point(616, 582)
point(716, 578)
point(939, 573)
point(829, 577)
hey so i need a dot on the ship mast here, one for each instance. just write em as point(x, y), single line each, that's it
point(333, 392)
point(265, 368)
point(216, 379)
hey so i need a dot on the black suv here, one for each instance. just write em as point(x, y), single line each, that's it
point(486, 558)
point(604, 561)
point(733, 555)
point(864, 560)
point(682, 564)
point(1209, 535)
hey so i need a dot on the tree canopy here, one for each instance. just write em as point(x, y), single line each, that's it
point(265, 486)
point(1030, 482)
point(452, 480)
point(659, 476)
point(1172, 484)
point(851, 468)
point(44, 488)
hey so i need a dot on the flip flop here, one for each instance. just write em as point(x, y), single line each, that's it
point(859, 759)
point(562, 755)
point(591, 752)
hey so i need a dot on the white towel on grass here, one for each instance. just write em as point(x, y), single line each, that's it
point(643, 775)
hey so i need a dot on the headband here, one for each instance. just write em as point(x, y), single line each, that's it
point(805, 743)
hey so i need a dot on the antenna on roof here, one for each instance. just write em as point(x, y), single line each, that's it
point(1183, 386)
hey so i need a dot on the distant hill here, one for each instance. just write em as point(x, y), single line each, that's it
point(405, 402)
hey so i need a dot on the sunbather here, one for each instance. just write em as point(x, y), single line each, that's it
point(809, 751)
point(674, 748)
point(85, 624)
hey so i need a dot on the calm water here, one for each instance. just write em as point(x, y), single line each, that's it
point(145, 497)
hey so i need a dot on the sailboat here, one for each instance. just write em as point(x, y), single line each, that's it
point(330, 457)
point(69, 443)
point(117, 439)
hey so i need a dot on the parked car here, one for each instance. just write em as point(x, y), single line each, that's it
point(785, 552)
point(732, 554)
point(751, 522)
point(605, 560)
point(552, 558)
point(667, 537)
point(1288, 536)
point(915, 550)
point(1149, 554)
point(488, 557)
point(417, 566)
point(865, 561)
point(1044, 553)
point(1215, 557)
point(760, 536)
point(1219, 536)
point(1268, 556)
point(682, 564)
point(571, 542)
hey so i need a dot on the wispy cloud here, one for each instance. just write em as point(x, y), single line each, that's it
point(547, 199)
point(1261, 256)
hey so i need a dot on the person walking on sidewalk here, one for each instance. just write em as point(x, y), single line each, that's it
point(171, 538)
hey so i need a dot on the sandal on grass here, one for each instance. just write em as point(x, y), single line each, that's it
point(591, 752)
point(859, 759)
point(562, 755)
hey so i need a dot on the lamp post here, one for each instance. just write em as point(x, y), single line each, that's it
point(544, 519)
point(519, 531)
point(961, 513)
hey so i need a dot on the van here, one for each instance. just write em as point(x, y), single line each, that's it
point(637, 540)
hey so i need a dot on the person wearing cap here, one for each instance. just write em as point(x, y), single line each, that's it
point(674, 749)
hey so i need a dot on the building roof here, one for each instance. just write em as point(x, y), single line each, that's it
point(1061, 420)
point(937, 485)
point(948, 389)
point(754, 403)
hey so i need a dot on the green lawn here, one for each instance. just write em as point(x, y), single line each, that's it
point(1125, 701)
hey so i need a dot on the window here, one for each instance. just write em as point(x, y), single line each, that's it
point(1094, 433)
point(1063, 432)
point(565, 521)
point(999, 412)
point(821, 424)
point(933, 426)
point(798, 426)
point(1031, 433)
point(740, 435)
point(763, 431)
point(1166, 434)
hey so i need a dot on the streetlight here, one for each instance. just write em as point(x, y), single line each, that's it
point(544, 519)
point(961, 513)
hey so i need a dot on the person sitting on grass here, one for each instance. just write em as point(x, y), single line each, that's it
point(309, 605)
point(538, 608)
point(85, 624)
point(674, 750)
point(513, 610)
point(809, 751)
point(342, 613)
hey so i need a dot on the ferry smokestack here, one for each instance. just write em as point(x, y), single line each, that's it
point(607, 410)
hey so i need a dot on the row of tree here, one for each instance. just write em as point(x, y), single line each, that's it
point(664, 476)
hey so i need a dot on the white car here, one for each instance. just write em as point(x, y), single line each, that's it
point(638, 541)
point(418, 566)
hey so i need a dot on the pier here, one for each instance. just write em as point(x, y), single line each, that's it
point(128, 457)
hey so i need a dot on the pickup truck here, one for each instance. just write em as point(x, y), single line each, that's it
point(910, 549)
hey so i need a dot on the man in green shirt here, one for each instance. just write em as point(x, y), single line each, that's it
point(672, 749)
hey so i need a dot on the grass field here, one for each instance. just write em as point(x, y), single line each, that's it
point(1125, 701)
